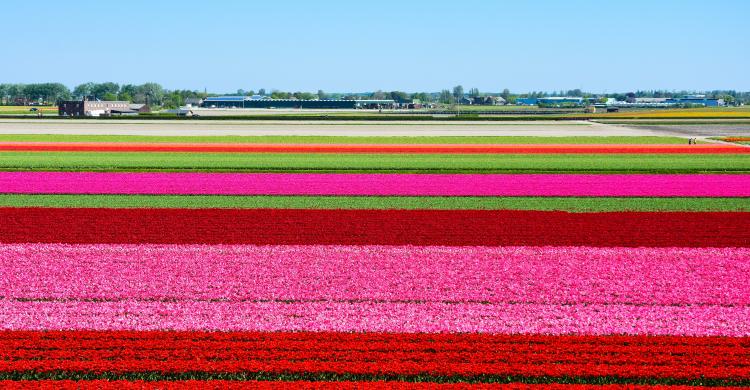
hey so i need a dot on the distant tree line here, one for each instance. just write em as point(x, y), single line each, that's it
point(148, 93)
point(28, 93)
point(447, 96)
point(155, 94)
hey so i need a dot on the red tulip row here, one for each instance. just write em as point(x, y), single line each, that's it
point(377, 354)
point(386, 227)
point(263, 385)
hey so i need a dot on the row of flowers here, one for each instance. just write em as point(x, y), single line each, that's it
point(368, 316)
point(385, 227)
point(316, 385)
point(654, 185)
point(315, 353)
point(385, 274)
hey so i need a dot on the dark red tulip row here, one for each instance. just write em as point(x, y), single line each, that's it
point(385, 227)
point(267, 385)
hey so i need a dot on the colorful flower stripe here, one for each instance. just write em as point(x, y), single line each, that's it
point(316, 385)
point(374, 227)
point(370, 148)
point(373, 316)
point(450, 355)
point(375, 184)
point(398, 289)
point(318, 273)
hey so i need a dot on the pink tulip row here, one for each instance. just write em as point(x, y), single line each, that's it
point(505, 318)
point(558, 275)
point(706, 185)
point(696, 291)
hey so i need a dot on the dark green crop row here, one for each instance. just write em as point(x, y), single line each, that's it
point(386, 163)
point(572, 204)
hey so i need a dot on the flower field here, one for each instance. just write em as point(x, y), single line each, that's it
point(382, 263)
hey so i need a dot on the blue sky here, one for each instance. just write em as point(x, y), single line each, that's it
point(339, 46)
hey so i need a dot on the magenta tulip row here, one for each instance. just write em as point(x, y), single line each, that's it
point(555, 290)
point(703, 185)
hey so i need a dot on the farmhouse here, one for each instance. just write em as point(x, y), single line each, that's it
point(250, 102)
point(140, 108)
point(91, 107)
point(487, 100)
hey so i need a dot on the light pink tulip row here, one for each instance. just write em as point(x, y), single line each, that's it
point(518, 318)
point(705, 185)
point(555, 290)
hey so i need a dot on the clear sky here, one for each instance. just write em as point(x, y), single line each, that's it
point(414, 45)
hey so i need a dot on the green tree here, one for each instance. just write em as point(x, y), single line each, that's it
point(172, 100)
point(458, 92)
point(474, 92)
point(728, 99)
point(150, 93)
point(423, 97)
point(83, 90)
point(446, 97)
point(505, 94)
point(125, 96)
point(100, 90)
point(4, 97)
point(322, 95)
point(399, 96)
point(128, 92)
point(47, 92)
point(280, 95)
point(304, 96)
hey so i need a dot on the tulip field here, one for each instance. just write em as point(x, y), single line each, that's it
point(374, 262)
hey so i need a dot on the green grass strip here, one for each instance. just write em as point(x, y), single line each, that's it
point(384, 163)
point(337, 377)
point(342, 139)
point(572, 204)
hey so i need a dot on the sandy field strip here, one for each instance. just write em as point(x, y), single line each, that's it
point(230, 127)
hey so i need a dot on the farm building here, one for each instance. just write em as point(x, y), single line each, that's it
point(195, 102)
point(249, 102)
point(92, 107)
point(700, 100)
point(649, 100)
point(140, 108)
point(561, 101)
point(487, 100)
point(555, 101)
point(697, 99)
point(527, 101)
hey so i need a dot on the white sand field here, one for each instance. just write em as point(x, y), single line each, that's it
point(347, 128)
